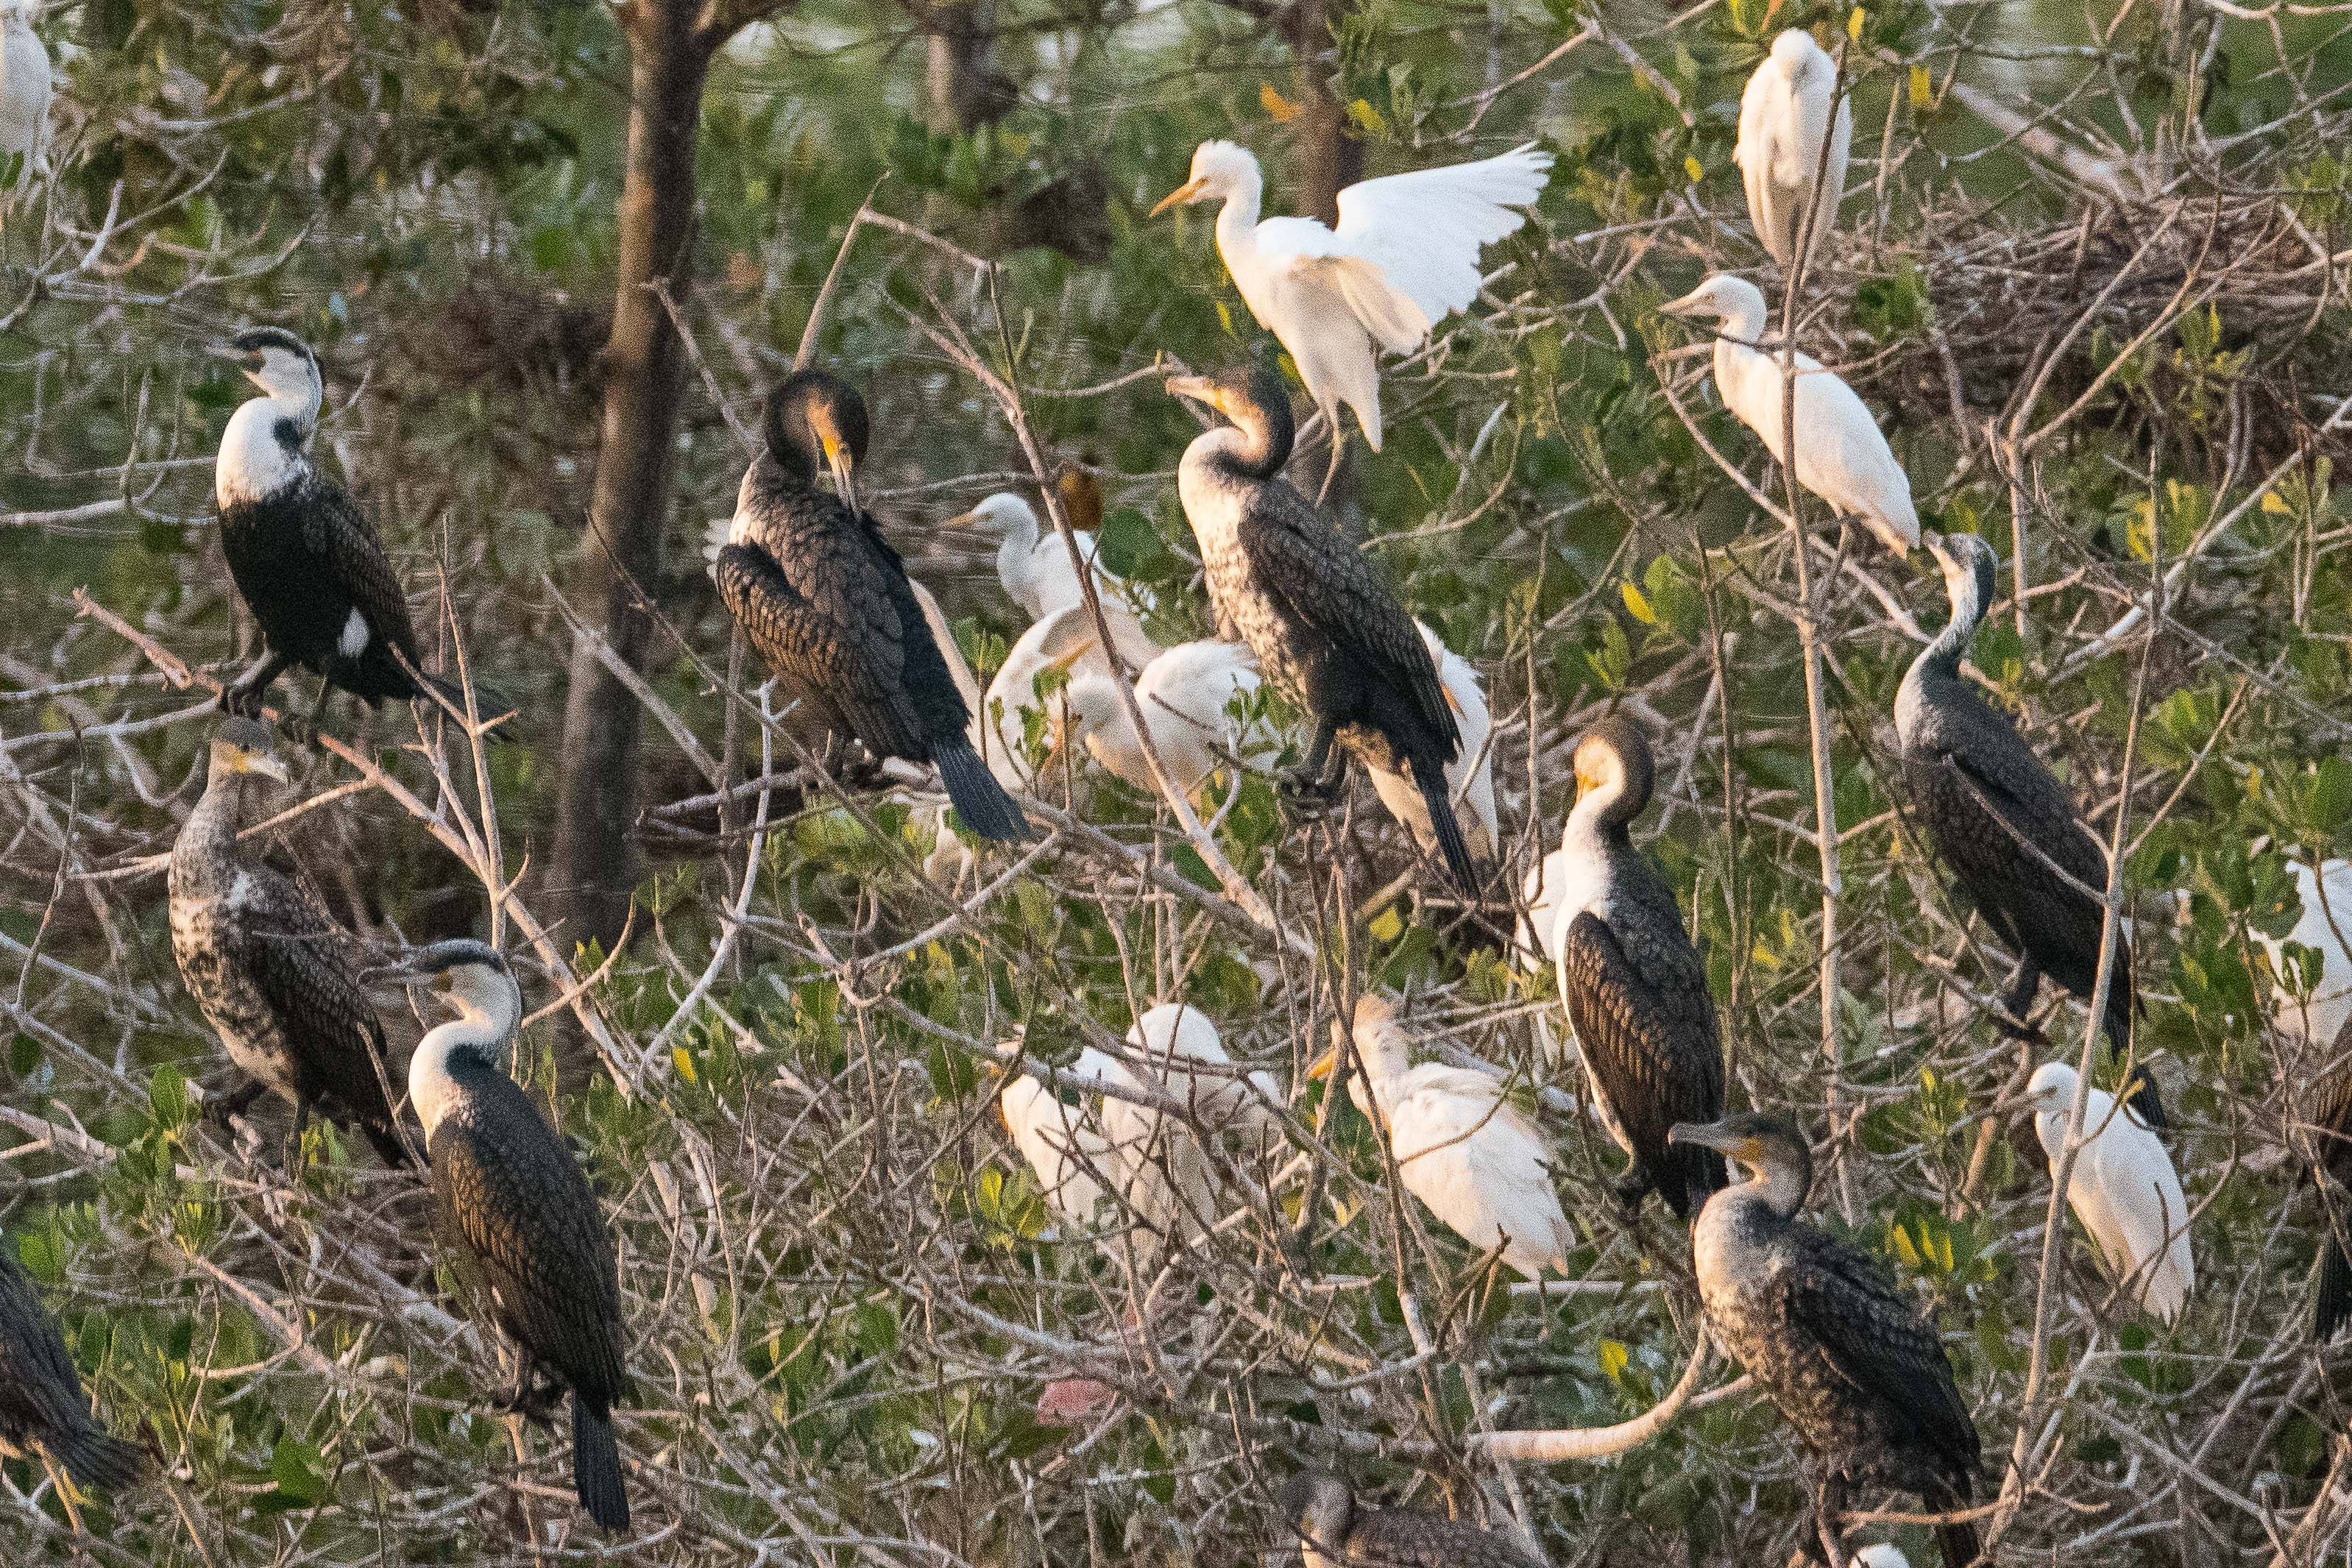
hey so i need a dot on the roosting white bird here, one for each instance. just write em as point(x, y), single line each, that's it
point(1064, 641)
point(2124, 1190)
point(1187, 696)
point(1842, 456)
point(26, 90)
point(1033, 564)
point(2326, 923)
point(1469, 778)
point(1168, 1180)
point(1403, 257)
point(1064, 1147)
point(1784, 117)
point(1474, 1159)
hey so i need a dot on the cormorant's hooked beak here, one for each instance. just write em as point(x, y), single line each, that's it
point(270, 765)
point(1200, 388)
point(1183, 196)
point(836, 456)
point(246, 359)
point(1711, 1135)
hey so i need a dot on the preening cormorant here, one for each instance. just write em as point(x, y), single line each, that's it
point(1323, 624)
point(1849, 1361)
point(1634, 987)
point(520, 1216)
point(2323, 1135)
point(2004, 824)
point(1331, 1530)
point(827, 602)
point(44, 1414)
point(268, 966)
point(306, 559)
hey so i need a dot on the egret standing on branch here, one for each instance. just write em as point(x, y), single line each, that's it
point(1404, 257)
point(2123, 1189)
point(1841, 456)
point(1186, 695)
point(1324, 626)
point(26, 90)
point(1784, 117)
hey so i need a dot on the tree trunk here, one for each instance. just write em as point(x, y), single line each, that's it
point(965, 88)
point(1330, 158)
point(644, 388)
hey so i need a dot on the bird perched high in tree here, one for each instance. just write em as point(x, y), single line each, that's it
point(2124, 1190)
point(1784, 119)
point(2004, 826)
point(1841, 456)
point(1329, 1529)
point(519, 1216)
point(268, 966)
point(44, 1414)
point(306, 560)
point(827, 602)
point(26, 90)
point(1314, 610)
point(1404, 257)
point(1851, 1364)
point(1634, 987)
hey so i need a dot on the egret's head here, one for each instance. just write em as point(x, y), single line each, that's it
point(1613, 767)
point(1003, 513)
point(17, 15)
point(1734, 301)
point(276, 362)
point(814, 416)
point(1219, 169)
point(2052, 1088)
point(472, 980)
point(1970, 567)
point(1383, 1047)
point(246, 745)
point(1318, 1506)
point(1770, 1149)
point(1881, 1555)
point(1795, 52)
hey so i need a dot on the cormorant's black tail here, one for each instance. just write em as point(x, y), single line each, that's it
point(98, 1460)
point(986, 809)
point(1957, 1541)
point(489, 705)
point(2334, 1304)
point(2143, 1099)
point(596, 1466)
point(1430, 775)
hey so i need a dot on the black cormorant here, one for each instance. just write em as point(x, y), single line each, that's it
point(266, 964)
point(44, 1414)
point(1312, 607)
point(2004, 825)
point(2322, 1115)
point(1331, 1530)
point(1847, 1358)
point(524, 1224)
point(827, 602)
point(1634, 987)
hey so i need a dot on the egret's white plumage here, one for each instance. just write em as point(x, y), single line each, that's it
point(1474, 1159)
point(2122, 1189)
point(1784, 117)
point(1169, 1179)
point(1536, 934)
point(1034, 565)
point(26, 90)
point(1403, 257)
point(1882, 1554)
point(1469, 778)
point(2326, 923)
point(1186, 695)
point(1062, 1143)
point(1064, 641)
point(1842, 456)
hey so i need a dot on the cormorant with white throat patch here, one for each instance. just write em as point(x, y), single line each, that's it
point(827, 602)
point(2004, 826)
point(266, 964)
point(513, 1206)
point(1325, 627)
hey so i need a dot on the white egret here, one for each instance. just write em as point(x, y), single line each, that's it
point(1169, 1181)
point(1784, 117)
point(1842, 456)
point(1403, 257)
point(1187, 697)
point(1469, 778)
point(1034, 565)
point(1065, 1146)
point(1064, 641)
point(2123, 1189)
point(1881, 1555)
point(1474, 1159)
point(2326, 923)
point(26, 90)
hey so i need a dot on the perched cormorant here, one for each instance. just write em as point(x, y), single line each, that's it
point(44, 1414)
point(1324, 626)
point(266, 964)
point(523, 1222)
point(2323, 1135)
point(306, 559)
point(1634, 987)
point(2003, 825)
point(1847, 1358)
point(1331, 1530)
point(827, 602)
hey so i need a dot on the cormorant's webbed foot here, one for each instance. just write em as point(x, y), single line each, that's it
point(1306, 789)
point(228, 1107)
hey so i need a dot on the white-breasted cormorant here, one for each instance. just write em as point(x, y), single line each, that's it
point(306, 560)
point(522, 1219)
point(2124, 1190)
point(828, 603)
point(44, 1414)
point(1313, 608)
point(1849, 1361)
point(268, 965)
point(2003, 825)
point(1633, 985)
point(1329, 1529)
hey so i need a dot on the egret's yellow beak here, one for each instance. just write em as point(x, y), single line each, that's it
point(1324, 1065)
point(1200, 388)
point(1183, 196)
point(971, 519)
point(1688, 305)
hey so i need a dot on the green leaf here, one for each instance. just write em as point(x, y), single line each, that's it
point(1127, 541)
point(300, 1473)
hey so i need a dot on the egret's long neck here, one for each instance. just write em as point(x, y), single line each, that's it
point(472, 1036)
point(1237, 219)
point(261, 450)
point(1385, 1055)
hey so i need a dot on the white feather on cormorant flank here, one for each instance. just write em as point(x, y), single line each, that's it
point(255, 463)
point(489, 1005)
